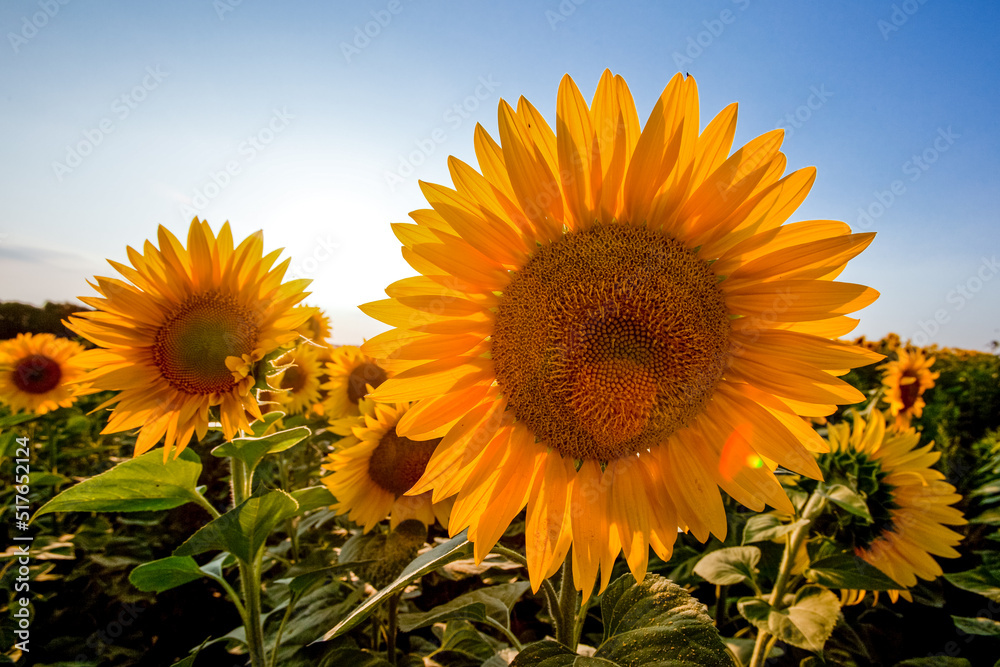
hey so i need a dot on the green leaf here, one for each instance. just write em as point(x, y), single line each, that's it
point(982, 580)
point(8, 445)
point(725, 567)
point(807, 623)
point(313, 497)
point(252, 450)
point(985, 627)
point(45, 478)
point(653, 623)
point(742, 648)
point(935, 661)
point(846, 499)
point(455, 548)
point(764, 527)
point(548, 653)
point(355, 657)
point(164, 574)
point(850, 571)
point(491, 602)
point(15, 419)
point(242, 530)
point(259, 427)
point(137, 485)
point(461, 643)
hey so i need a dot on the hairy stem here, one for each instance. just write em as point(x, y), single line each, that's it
point(242, 485)
point(569, 605)
point(814, 507)
point(551, 596)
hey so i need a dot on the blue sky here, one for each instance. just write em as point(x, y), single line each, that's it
point(118, 117)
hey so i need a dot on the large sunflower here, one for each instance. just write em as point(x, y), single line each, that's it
point(185, 333)
point(37, 372)
point(374, 467)
point(905, 381)
point(910, 503)
point(349, 374)
point(298, 384)
point(613, 321)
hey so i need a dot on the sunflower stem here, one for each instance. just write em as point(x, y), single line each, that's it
point(569, 605)
point(242, 485)
point(814, 507)
point(511, 637)
point(203, 501)
point(281, 630)
point(289, 522)
point(392, 623)
point(551, 596)
point(581, 618)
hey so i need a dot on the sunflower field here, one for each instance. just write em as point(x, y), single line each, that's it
point(618, 419)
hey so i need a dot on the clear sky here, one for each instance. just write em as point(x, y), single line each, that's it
point(314, 121)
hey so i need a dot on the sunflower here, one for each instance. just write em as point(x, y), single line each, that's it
point(316, 329)
point(298, 384)
point(909, 502)
point(374, 467)
point(612, 322)
point(905, 381)
point(350, 374)
point(186, 332)
point(37, 372)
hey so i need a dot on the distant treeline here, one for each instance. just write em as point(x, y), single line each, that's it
point(17, 318)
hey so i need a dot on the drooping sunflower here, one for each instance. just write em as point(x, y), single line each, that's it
point(350, 372)
point(374, 467)
point(910, 503)
point(37, 372)
point(905, 381)
point(185, 333)
point(613, 321)
point(298, 384)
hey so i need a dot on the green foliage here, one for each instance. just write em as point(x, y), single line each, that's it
point(651, 623)
point(807, 622)
point(455, 548)
point(492, 602)
point(984, 580)
point(980, 625)
point(136, 485)
point(850, 572)
point(726, 567)
point(769, 526)
point(166, 573)
point(17, 318)
point(150, 547)
point(253, 450)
